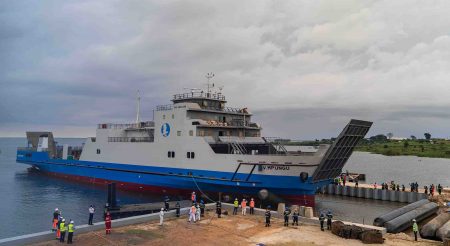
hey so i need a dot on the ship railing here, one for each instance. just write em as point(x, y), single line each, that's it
point(130, 139)
point(231, 123)
point(164, 107)
point(26, 148)
point(125, 126)
point(206, 95)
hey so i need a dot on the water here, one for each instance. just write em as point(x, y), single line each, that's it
point(29, 198)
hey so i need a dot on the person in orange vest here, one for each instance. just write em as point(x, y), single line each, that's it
point(252, 206)
point(58, 228)
point(193, 197)
point(108, 223)
point(244, 206)
point(56, 215)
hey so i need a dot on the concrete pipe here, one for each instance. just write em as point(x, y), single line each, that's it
point(323, 189)
point(338, 190)
point(384, 195)
point(368, 193)
point(394, 196)
point(412, 197)
point(404, 221)
point(352, 192)
point(361, 192)
point(376, 194)
point(331, 189)
point(403, 196)
point(444, 231)
point(429, 230)
point(302, 211)
point(380, 221)
point(345, 191)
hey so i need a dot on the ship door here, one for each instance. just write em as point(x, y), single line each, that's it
point(220, 133)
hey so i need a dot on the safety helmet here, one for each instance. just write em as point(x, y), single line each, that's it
point(71, 222)
point(63, 220)
point(252, 198)
point(162, 209)
point(235, 199)
point(414, 220)
point(193, 192)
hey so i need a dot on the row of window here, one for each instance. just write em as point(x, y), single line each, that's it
point(189, 155)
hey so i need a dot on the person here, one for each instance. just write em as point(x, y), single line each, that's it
point(244, 207)
point(202, 208)
point(416, 187)
point(197, 212)
point(375, 185)
point(166, 203)
point(356, 182)
point(192, 214)
point(178, 207)
point(108, 223)
point(398, 187)
point(415, 229)
point(267, 215)
point(218, 209)
point(403, 187)
point(193, 197)
point(432, 190)
point(236, 206)
point(55, 219)
point(286, 214)
point(252, 206)
point(58, 230)
point(161, 216)
point(439, 189)
point(91, 214)
point(322, 220)
point(62, 228)
point(70, 230)
point(344, 179)
point(295, 217)
point(426, 189)
point(329, 217)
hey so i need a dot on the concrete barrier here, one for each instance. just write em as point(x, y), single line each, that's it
point(376, 194)
point(403, 196)
point(421, 196)
point(384, 195)
point(345, 191)
point(352, 192)
point(412, 197)
point(369, 193)
point(338, 190)
point(360, 192)
point(330, 189)
point(393, 195)
point(302, 211)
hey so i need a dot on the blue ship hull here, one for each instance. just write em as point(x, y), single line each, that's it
point(175, 180)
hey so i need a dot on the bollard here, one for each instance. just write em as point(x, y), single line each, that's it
point(403, 196)
point(376, 194)
point(360, 192)
point(309, 212)
point(302, 211)
point(330, 189)
point(369, 193)
point(394, 196)
point(338, 190)
point(412, 197)
point(345, 191)
point(385, 195)
point(352, 192)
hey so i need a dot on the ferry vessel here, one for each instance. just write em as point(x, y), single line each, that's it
point(197, 143)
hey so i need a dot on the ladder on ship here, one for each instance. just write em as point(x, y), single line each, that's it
point(238, 148)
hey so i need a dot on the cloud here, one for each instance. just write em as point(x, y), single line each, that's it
point(77, 63)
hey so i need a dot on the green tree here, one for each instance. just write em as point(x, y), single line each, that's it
point(390, 135)
point(413, 137)
point(427, 135)
point(405, 144)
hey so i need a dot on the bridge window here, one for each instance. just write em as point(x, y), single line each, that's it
point(98, 151)
point(178, 133)
point(171, 154)
point(190, 155)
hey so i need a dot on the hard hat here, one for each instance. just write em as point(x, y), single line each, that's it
point(193, 192)
point(252, 198)
point(71, 222)
point(56, 209)
point(63, 220)
point(414, 220)
point(235, 199)
point(162, 209)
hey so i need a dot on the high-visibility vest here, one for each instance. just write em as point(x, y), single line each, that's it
point(415, 227)
point(71, 228)
point(193, 197)
point(236, 203)
point(193, 209)
point(62, 227)
point(252, 204)
point(243, 204)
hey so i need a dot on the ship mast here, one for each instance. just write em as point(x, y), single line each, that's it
point(209, 76)
point(138, 113)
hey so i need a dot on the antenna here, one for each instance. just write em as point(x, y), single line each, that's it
point(138, 116)
point(209, 76)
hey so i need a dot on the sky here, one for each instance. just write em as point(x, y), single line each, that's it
point(303, 68)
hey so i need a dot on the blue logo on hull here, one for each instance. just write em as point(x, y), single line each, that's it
point(165, 129)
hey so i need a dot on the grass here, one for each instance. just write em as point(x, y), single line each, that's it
point(420, 148)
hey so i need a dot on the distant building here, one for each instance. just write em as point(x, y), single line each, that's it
point(398, 138)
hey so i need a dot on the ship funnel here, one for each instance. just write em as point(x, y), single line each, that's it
point(337, 155)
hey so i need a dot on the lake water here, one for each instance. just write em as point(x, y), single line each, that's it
point(29, 198)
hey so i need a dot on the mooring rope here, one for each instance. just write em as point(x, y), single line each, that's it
point(195, 182)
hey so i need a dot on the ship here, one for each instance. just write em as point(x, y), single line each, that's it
point(196, 143)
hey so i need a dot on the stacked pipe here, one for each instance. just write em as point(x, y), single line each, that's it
point(380, 221)
point(430, 229)
point(404, 221)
